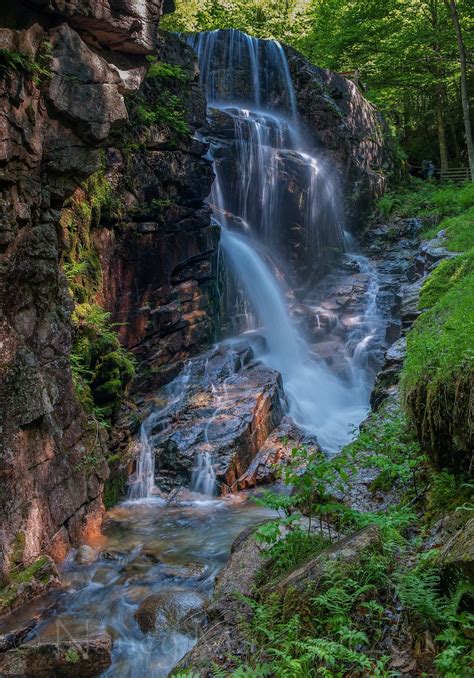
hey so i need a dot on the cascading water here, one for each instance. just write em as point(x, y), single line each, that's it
point(274, 199)
point(203, 478)
point(143, 482)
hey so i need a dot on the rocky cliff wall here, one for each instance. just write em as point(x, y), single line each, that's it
point(348, 131)
point(159, 253)
point(61, 95)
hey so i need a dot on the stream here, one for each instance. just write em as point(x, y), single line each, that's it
point(150, 546)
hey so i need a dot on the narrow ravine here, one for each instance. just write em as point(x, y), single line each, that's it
point(172, 546)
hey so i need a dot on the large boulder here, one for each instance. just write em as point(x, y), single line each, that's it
point(230, 404)
point(179, 609)
point(64, 659)
point(126, 26)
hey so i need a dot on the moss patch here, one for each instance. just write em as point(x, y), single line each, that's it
point(444, 277)
point(101, 367)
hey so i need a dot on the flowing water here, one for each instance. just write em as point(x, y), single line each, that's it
point(267, 179)
point(250, 198)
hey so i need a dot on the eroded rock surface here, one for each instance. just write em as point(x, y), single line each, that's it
point(55, 111)
point(224, 404)
point(159, 256)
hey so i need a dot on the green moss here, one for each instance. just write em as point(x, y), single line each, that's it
point(18, 547)
point(442, 339)
point(28, 573)
point(459, 231)
point(97, 357)
point(444, 277)
point(71, 656)
point(114, 488)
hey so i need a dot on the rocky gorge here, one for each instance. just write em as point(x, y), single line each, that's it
point(151, 182)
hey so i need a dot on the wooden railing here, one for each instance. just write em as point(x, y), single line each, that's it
point(457, 174)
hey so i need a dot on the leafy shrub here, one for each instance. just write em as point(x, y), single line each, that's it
point(165, 71)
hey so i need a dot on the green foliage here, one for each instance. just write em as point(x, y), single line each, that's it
point(441, 341)
point(165, 71)
point(161, 102)
point(169, 114)
point(71, 656)
point(37, 69)
point(393, 449)
point(448, 492)
point(101, 367)
point(445, 276)
point(286, 553)
point(428, 201)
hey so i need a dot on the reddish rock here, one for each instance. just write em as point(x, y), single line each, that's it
point(275, 451)
point(50, 126)
point(230, 406)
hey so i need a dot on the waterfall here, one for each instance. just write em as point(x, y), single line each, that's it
point(279, 209)
point(141, 485)
point(203, 478)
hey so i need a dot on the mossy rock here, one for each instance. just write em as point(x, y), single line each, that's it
point(28, 582)
point(457, 554)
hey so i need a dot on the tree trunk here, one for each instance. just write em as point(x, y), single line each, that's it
point(451, 4)
point(443, 146)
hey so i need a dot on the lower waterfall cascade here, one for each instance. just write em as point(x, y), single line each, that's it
point(172, 546)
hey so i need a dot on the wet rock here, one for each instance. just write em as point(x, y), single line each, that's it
point(184, 571)
point(36, 659)
point(386, 384)
point(348, 129)
point(409, 311)
point(113, 555)
point(223, 641)
point(275, 451)
point(86, 555)
point(230, 406)
point(178, 609)
point(17, 636)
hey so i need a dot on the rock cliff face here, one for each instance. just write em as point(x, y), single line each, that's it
point(347, 130)
point(159, 256)
point(60, 98)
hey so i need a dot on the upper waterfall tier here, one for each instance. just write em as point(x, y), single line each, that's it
point(236, 67)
